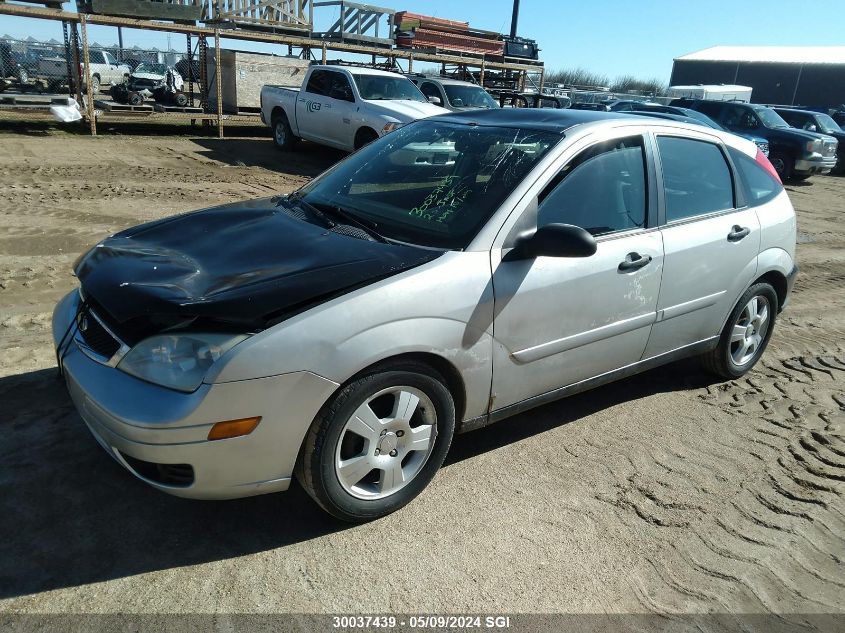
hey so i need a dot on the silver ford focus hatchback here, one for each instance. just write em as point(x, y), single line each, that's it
point(455, 272)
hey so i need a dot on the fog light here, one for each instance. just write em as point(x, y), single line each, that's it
point(233, 428)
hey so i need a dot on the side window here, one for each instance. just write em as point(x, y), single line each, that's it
point(430, 90)
point(696, 177)
point(711, 109)
point(108, 58)
point(602, 190)
point(760, 187)
point(318, 83)
point(339, 87)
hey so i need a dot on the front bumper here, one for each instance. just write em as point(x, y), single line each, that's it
point(155, 432)
point(815, 164)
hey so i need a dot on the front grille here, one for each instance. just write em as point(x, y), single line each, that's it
point(166, 474)
point(95, 335)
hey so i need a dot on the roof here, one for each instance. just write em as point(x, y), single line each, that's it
point(547, 119)
point(358, 70)
point(770, 54)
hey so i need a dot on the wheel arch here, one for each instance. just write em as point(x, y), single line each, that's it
point(276, 113)
point(442, 366)
point(776, 280)
point(362, 130)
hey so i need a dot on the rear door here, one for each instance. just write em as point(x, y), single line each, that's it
point(710, 237)
point(562, 320)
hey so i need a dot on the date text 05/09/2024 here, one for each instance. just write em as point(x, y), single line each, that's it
point(421, 621)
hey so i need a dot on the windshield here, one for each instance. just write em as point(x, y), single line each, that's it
point(827, 125)
point(382, 87)
point(153, 69)
point(469, 97)
point(431, 183)
point(770, 118)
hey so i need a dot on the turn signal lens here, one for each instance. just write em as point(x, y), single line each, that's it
point(233, 428)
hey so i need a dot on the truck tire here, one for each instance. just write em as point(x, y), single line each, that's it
point(783, 164)
point(283, 137)
point(135, 99)
point(95, 85)
point(365, 136)
point(180, 99)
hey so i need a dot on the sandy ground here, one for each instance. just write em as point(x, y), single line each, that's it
point(661, 493)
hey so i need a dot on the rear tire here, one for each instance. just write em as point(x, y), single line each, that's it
point(746, 334)
point(283, 137)
point(378, 442)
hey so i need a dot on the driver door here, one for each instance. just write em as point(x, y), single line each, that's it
point(562, 320)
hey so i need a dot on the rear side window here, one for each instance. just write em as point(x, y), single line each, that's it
point(696, 178)
point(759, 186)
point(318, 83)
point(603, 189)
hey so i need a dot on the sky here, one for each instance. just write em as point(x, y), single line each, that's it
point(611, 37)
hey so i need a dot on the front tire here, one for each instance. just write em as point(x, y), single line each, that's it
point(364, 137)
point(378, 442)
point(783, 164)
point(746, 334)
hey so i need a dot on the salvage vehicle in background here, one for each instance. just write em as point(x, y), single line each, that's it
point(341, 107)
point(816, 122)
point(794, 153)
point(151, 80)
point(343, 333)
point(702, 118)
point(105, 69)
point(453, 94)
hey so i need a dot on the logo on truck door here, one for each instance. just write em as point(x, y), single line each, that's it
point(313, 106)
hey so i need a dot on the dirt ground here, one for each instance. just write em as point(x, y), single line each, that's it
point(665, 492)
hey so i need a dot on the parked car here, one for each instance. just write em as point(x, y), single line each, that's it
point(453, 94)
point(510, 99)
point(343, 107)
point(343, 333)
point(794, 153)
point(702, 118)
point(816, 122)
point(11, 70)
point(105, 69)
point(626, 105)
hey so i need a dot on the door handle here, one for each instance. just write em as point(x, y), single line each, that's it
point(738, 232)
point(633, 261)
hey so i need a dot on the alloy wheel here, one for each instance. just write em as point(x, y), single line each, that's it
point(386, 442)
point(749, 330)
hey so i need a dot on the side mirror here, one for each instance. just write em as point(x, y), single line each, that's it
point(434, 100)
point(553, 240)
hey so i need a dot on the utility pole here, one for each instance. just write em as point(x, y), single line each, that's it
point(514, 17)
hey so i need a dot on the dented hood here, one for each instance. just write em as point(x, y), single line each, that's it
point(247, 263)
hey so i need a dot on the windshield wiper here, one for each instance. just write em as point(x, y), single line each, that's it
point(341, 213)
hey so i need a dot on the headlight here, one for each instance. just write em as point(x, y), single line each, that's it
point(814, 146)
point(389, 127)
point(178, 361)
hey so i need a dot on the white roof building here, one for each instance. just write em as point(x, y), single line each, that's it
point(769, 54)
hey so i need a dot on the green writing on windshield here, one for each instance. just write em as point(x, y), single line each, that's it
point(443, 201)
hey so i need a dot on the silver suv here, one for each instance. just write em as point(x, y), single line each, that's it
point(343, 334)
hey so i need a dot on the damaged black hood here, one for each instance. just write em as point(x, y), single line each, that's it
point(246, 264)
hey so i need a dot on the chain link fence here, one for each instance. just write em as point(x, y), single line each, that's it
point(54, 66)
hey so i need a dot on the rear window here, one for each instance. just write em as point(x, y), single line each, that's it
point(696, 178)
point(759, 186)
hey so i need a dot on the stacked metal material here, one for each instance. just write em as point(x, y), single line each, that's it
point(422, 31)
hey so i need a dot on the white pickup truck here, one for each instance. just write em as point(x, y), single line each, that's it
point(343, 107)
point(105, 69)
